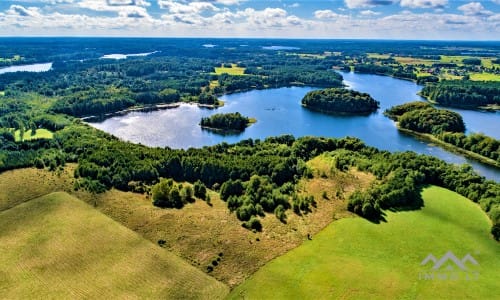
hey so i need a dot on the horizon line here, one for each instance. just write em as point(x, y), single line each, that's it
point(247, 37)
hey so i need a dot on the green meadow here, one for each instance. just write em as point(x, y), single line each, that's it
point(355, 259)
point(234, 70)
point(58, 247)
point(40, 133)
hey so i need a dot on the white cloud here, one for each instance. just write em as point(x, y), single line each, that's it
point(296, 5)
point(326, 14)
point(367, 3)
point(424, 3)
point(475, 9)
point(229, 2)
point(211, 18)
point(369, 13)
point(23, 12)
point(496, 1)
point(190, 8)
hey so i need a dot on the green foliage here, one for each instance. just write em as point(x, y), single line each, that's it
point(472, 61)
point(231, 188)
point(227, 122)
point(426, 119)
point(253, 224)
point(167, 194)
point(463, 93)
point(340, 100)
point(475, 142)
point(199, 190)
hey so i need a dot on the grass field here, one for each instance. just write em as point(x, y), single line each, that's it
point(378, 55)
point(41, 133)
point(355, 259)
point(484, 77)
point(199, 232)
point(234, 70)
point(58, 247)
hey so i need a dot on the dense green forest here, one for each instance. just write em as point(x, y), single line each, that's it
point(340, 100)
point(475, 142)
point(405, 72)
point(445, 125)
point(463, 93)
point(226, 122)
point(422, 117)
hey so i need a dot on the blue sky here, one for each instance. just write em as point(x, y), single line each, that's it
point(387, 19)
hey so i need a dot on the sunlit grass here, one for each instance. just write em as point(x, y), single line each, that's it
point(356, 259)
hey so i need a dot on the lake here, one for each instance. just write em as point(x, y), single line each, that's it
point(279, 111)
point(27, 68)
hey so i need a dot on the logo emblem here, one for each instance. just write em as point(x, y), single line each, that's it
point(450, 267)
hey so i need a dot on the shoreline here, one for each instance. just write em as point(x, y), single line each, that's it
point(452, 148)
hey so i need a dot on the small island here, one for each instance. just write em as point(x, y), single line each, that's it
point(226, 123)
point(340, 101)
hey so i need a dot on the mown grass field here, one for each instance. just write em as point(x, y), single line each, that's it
point(234, 70)
point(40, 133)
point(356, 259)
point(484, 77)
point(57, 247)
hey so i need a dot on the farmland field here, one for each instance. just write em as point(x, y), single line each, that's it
point(355, 259)
point(56, 246)
point(233, 70)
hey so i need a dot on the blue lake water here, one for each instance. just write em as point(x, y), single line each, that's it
point(278, 111)
point(27, 68)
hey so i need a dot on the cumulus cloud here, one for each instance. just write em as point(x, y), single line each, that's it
point(326, 14)
point(229, 2)
point(22, 11)
point(475, 9)
point(190, 8)
point(367, 3)
point(424, 3)
point(124, 8)
point(369, 13)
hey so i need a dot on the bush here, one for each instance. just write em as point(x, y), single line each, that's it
point(253, 223)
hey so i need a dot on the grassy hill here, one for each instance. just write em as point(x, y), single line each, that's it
point(355, 259)
point(56, 246)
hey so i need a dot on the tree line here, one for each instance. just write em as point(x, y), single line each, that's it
point(463, 93)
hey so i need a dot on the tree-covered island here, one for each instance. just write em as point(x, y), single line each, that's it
point(229, 122)
point(341, 101)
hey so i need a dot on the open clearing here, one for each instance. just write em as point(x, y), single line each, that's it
point(484, 77)
point(56, 246)
point(356, 259)
point(234, 70)
point(39, 134)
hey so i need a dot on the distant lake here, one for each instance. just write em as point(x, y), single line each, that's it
point(124, 56)
point(280, 48)
point(279, 111)
point(27, 68)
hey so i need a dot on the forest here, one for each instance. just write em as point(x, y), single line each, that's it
point(226, 122)
point(424, 118)
point(463, 93)
point(340, 100)
point(444, 125)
